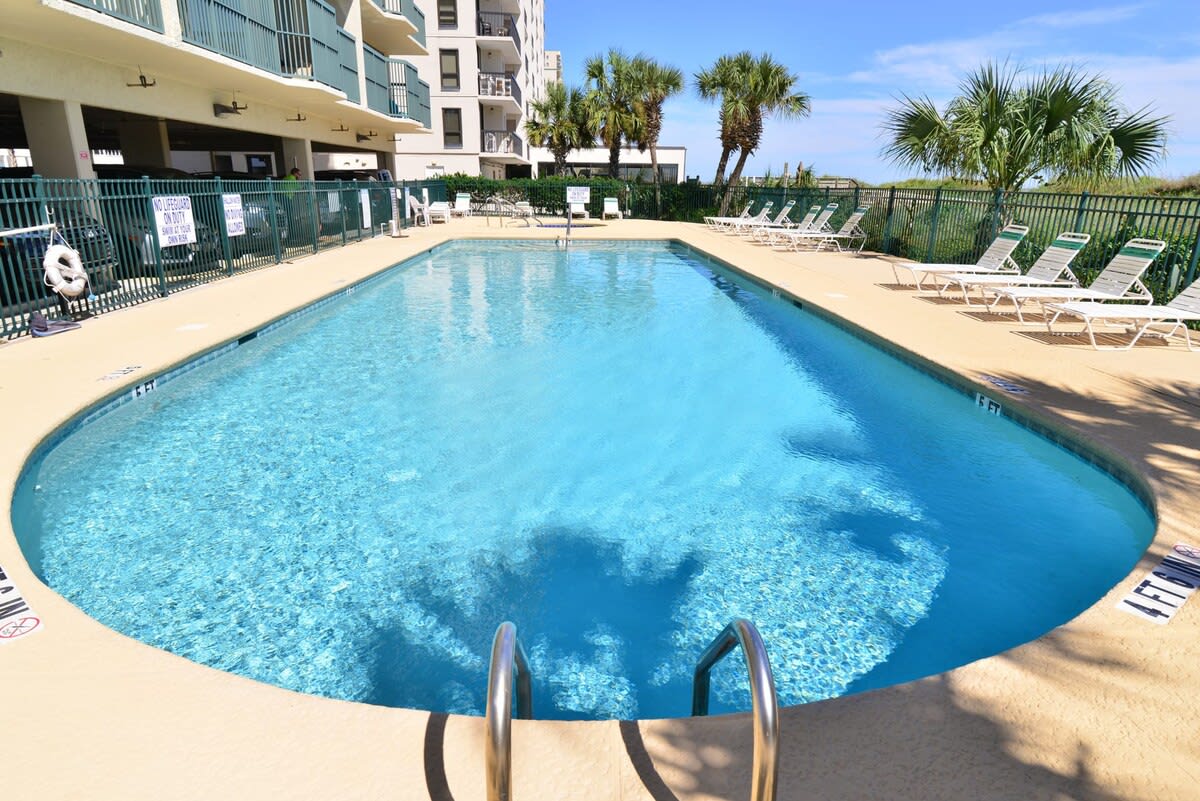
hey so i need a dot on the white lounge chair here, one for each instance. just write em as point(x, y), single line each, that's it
point(721, 223)
point(848, 233)
point(764, 233)
point(780, 221)
point(578, 210)
point(462, 205)
point(996, 259)
point(1120, 280)
point(611, 209)
point(715, 222)
point(1052, 268)
point(1138, 320)
point(439, 210)
point(789, 238)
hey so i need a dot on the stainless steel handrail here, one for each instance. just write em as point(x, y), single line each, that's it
point(765, 776)
point(507, 654)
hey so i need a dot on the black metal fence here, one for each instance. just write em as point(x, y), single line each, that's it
point(144, 239)
point(929, 225)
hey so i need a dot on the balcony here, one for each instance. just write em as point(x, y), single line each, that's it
point(501, 32)
point(139, 12)
point(504, 146)
point(395, 27)
point(242, 31)
point(347, 48)
point(393, 88)
point(502, 85)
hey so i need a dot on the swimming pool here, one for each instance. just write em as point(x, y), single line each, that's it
point(618, 447)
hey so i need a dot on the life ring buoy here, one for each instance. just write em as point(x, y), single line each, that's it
point(64, 271)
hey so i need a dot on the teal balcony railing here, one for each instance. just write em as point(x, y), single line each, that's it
point(375, 70)
point(408, 94)
point(308, 40)
point(139, 12)
point(406, 8)
point(348, 65)
point(240, 29)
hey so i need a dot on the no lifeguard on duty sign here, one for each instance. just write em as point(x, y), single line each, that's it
point(16, 618)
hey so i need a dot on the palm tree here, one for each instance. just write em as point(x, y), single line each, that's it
point(611, 93)
point(724, 81)
point(767, 89)
point(655, 83)
point(1003, 132)
point(559, 123)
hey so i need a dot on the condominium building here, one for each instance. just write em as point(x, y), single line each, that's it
point(253, 85)
point(554, 67)
point(486, 64)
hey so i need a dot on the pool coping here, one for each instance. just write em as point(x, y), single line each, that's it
point(1036, 759)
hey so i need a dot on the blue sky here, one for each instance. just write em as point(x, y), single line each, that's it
point(853, 58)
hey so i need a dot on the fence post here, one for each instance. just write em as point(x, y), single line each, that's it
point(1083, 199)
point(226, 245)
point(311, 194)
point(855, 198)
point(887, 225)
point(342, 208)
point(1191, 270)
point(275, 221)
point(933, 226)
point(158, 265)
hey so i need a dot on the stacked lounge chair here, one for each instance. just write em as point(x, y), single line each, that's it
point(996, 259)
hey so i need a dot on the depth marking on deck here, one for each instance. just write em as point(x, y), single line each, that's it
point(1166, 588)
point(16, 618)
point(1004, 384)
point(120, 372)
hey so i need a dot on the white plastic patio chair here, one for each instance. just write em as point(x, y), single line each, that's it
point(748, 228)
point(722, 223)
point(1138, 320)
point(996, 259)
point(1120, 280)
point(578, 210)
point(462, 205)
point(791, 238)
point(848, 233)
point(611, 209)
point(1052, 268)
point(439, 210)
point(714, 222)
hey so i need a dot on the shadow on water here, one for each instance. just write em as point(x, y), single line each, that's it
point(570, 595)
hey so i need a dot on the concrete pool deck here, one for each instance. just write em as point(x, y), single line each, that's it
point(1101, 708)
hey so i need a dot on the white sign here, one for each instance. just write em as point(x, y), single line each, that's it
point(235, 221)
point(1159, 595)
point(579, 194)
point(335, 202)
point(173, 217)
point(16, 618)
point(987, 404)
point(364, 200)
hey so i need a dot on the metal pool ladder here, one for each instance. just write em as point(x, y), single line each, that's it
point(507, 657)
point(765, 776)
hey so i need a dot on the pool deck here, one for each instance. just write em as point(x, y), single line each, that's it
point(1102, 708)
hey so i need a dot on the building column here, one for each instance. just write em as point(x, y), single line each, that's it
point(145, 142)
point(387, 161)
point(57, 140)
point(297, 153)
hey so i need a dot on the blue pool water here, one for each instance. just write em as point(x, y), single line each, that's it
point(619, 448)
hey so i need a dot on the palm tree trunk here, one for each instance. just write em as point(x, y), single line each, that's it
point(657, 189)
point(734, 177)
point(560, 164)
point(721, 165)
point(614, 157)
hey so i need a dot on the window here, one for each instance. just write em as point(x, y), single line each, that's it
point(449, 61)
point(447, 13)
point(452, 128)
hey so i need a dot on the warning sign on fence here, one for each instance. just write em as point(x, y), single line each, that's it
point(173, 218)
